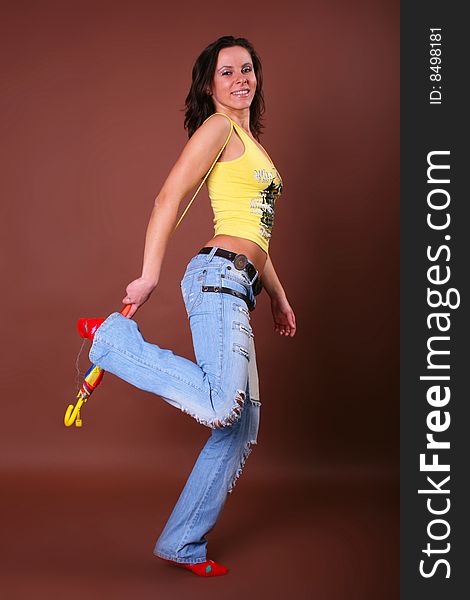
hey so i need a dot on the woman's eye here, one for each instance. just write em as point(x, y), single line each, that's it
point(244, 70)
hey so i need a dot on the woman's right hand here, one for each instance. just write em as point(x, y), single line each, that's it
point(137, 293)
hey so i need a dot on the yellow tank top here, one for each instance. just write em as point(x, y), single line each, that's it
point(243, 192)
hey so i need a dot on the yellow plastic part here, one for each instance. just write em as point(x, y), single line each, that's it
point(72, 414)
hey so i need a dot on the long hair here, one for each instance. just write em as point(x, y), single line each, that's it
point(199, 104)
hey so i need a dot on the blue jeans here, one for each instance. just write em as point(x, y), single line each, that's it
point(220, 391)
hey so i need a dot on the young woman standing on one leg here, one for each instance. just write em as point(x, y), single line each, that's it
point(220, 390)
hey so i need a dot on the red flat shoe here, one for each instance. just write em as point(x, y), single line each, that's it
point(87, 327)
point(206, 569)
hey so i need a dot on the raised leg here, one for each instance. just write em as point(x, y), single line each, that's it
point(213, 390)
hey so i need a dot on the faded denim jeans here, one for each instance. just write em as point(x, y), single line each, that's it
point(220, 391)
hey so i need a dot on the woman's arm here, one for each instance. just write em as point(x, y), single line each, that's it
point(271, 281)
point(194, 161)
point(283, 315)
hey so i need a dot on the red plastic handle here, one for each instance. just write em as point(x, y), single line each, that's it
point(125, 310)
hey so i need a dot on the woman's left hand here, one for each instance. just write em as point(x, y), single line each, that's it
point(284, 318)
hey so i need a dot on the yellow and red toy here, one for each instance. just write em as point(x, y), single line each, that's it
point(93, 378)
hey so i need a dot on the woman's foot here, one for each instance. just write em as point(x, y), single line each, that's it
point(205, 569)
point(87, 327)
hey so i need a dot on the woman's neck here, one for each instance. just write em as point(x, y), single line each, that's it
point(241, 117)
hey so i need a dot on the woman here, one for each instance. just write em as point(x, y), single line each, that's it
point(224, 107)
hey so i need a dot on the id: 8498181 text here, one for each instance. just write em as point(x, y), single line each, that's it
point(435, 65)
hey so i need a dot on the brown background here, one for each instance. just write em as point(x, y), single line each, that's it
point(91, 124)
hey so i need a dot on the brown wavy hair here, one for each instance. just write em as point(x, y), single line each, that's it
point(199, 104)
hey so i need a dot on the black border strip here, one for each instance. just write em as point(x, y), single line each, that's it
point(427, 129)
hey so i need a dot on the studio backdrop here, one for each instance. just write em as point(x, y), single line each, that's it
point(92, 111)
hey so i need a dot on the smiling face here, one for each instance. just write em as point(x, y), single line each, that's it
point(234, 82)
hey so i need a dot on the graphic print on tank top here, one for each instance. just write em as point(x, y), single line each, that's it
point(265, 203)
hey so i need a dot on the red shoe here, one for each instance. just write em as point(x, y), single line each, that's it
point(87, 327)
point(205, 569)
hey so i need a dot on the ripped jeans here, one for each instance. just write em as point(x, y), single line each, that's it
point(215, 391)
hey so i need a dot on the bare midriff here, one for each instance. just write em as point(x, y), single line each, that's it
point(241, 246)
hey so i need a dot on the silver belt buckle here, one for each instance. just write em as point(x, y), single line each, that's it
point(240, 261)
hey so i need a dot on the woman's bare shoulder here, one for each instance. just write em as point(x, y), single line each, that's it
point(208, 138)
point(197, 156)
point(214, 127)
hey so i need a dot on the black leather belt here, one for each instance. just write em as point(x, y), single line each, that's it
point(226, 290)
point(240, 261)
